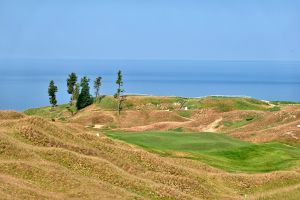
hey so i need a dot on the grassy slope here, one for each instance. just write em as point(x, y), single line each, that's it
point(150, 103)
point(221, 104)
point(40, 159)
point(45, 160)
point(224, 104)
point(48, 112)
point(103, 112)
point(216, 149)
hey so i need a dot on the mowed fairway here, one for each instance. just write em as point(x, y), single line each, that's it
point(217, 150)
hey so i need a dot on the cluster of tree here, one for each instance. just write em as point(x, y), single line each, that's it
point(80, 92)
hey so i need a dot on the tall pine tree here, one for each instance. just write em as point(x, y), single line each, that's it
point(52, 89)
point(71, 83)
point(84, 98)
point(97, 85)
point(118, 95)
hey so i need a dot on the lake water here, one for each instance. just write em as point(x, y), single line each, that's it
point(24, 83)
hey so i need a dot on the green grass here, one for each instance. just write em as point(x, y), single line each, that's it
point(225, 104)
point(179, 129)
point(217, 150)
point(107, 102)
point(185, 113)
point(274, 109)
point(237, 124)
point(219, 103)
point(49, 112)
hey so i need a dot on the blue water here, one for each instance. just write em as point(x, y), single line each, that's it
point(24, 83)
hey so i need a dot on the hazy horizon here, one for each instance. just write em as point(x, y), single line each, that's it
point(268, 80)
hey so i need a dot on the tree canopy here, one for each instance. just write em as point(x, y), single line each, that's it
point(52, 89)
point(71, 83)
point(84, 98)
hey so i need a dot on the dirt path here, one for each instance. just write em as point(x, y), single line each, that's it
point(212, 127)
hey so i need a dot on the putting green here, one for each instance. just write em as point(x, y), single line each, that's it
point(217, 150)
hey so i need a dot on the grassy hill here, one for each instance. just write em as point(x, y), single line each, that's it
point(244, 118)
point(221, 104)
point(41, 159)
point(158, 148)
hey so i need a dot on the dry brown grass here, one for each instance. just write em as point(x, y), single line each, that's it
point(163, 113)
point(40, 159)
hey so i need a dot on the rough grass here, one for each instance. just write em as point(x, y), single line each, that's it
point(216, 149)
point(40, 159)
point(59, 112)
point(235, 124)
point(107, 102)
point(222, 104)
point(247, 119)
point(185, 113)
point(274, 109)
point(225, 104)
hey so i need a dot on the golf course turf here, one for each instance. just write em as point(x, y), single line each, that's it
point(217, 150)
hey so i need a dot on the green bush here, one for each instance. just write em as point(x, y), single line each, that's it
point(185, 113)
point(274, 109)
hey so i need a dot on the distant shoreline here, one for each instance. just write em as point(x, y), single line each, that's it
point(199, 97)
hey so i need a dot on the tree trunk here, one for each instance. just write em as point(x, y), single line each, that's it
point(119, 105)
point(119, 100)
point(97, 94)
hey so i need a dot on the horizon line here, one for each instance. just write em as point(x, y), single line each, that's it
point(150, 59)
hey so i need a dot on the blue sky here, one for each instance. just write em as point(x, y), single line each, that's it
point(152, 29)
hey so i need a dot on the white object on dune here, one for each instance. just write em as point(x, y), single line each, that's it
point(298, 126)
point(98, 126)
point(97, 135)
